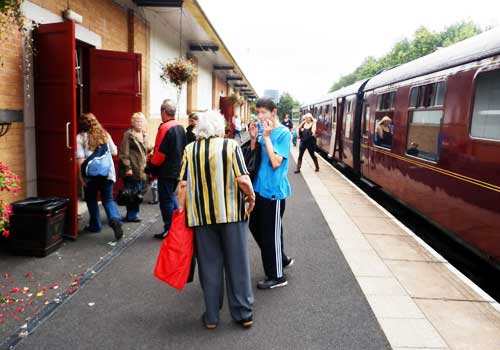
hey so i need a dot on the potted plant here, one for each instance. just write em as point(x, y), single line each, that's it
point(178, 72)
point(9, 182)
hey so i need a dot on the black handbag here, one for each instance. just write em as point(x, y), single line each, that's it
point(129, 196)
point(252, 158)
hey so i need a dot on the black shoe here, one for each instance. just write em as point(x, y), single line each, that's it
point(296, 171)
point(246, 322)
point(89, 230)
point(153, 202)
point(288, 263)
point(161, 235)
point(117, 229)
point(272, 283)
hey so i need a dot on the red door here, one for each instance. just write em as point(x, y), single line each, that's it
point(55, 115)
point(227, 110)
point(115, 91)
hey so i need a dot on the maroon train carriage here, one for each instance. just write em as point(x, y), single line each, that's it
point(444, 158)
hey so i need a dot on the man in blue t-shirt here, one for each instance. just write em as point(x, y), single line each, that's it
point(271, 187)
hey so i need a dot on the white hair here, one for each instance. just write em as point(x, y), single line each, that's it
point(210, 124)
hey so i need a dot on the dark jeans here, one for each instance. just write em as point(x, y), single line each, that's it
point(132, 210)
point(168, 200)
point(310, 147)
point(105, 188)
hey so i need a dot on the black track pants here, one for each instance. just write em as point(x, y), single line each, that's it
point(266, 228)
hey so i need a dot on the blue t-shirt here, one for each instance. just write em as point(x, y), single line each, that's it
point(273, 183)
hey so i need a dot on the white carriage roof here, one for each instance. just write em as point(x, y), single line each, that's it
point(478, 47)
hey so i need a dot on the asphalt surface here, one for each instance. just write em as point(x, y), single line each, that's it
point(321, 308)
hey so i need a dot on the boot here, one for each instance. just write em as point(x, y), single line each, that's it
point(316, 165)
point(299, 164)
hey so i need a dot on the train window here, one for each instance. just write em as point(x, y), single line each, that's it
point(424, 134)
point(439, 95)
point(486, 113)
point(384, 131)
point(426, 96)
point(349, 106)
point(414, 96)
point(366, 120)
point(386, 101)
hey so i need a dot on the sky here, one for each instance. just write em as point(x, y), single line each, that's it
point(302, 47)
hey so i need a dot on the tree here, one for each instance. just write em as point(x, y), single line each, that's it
point(423, 43)
point(286, 104)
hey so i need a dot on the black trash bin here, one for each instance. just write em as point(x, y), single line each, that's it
point(37, 225)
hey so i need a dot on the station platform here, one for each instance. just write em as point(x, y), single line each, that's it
point(419, 299)
point(360, 280)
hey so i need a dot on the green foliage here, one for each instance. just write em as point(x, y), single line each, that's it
point(423, 43)
point(286, 104)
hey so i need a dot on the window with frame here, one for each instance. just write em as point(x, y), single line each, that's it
point(386, 101)
point(347, 119)
point(366, 119)
point(486, 112)
point(427, 96)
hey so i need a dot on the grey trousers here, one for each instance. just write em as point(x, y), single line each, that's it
point(222, 249)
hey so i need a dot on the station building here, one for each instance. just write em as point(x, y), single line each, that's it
point(105, 60)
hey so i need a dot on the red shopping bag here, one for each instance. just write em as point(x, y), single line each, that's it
point(176, 252)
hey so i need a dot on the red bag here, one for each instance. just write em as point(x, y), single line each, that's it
point(176, 252)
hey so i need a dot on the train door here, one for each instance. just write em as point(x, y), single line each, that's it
point(337, 144)
point(365, 138)
point(333, 129)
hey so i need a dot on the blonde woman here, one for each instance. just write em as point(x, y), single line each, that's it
point(307, 134)
point(132, 153)
point(93, 135)
point(384, 132)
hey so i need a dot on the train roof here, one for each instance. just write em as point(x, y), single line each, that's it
point(325, 98)
point(350, 90)
point(481, 46)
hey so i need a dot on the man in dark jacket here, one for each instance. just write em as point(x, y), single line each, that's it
point(167, 158)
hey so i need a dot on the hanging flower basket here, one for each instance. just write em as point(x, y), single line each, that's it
point(178, 72)
point(232, 99)
point(9, 182)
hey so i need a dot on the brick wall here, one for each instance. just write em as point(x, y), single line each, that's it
point(103, 17)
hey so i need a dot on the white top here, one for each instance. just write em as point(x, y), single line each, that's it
point(82, 151)
point(237, 124)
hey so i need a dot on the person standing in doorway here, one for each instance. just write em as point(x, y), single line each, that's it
point(92, 136)
point(166, 160)
point(193, 121)
point(237, 128)
point(271, 187)
point(307, 134)
point(132, 153)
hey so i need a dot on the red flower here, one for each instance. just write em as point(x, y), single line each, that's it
point(6, 233)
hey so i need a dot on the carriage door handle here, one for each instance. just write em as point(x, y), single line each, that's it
point(68, 146)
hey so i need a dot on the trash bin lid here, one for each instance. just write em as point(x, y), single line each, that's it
point(39, 204)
